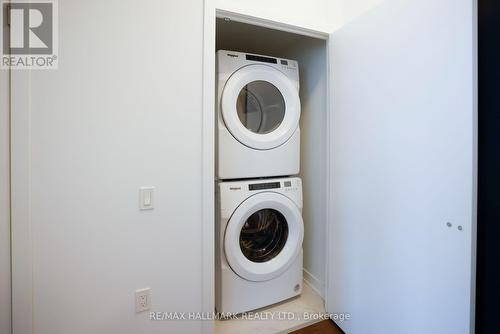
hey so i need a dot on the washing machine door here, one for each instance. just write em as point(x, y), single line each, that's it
point(263, 236)
point(260, 107)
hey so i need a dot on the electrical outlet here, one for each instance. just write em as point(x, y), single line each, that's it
point(142, 300)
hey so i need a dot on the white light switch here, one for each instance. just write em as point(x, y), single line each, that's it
point(146, 196)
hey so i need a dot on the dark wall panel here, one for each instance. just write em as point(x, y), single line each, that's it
point(488, 252)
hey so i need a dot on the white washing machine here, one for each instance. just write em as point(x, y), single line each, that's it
point(258, 116)
point(258, 243)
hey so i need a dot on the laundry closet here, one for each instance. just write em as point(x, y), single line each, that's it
point(388, 129)
point(387, 165)
point(237, 38)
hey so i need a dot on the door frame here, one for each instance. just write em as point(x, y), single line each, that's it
point(20, 213)
point(5, 202)
point(211, 12)
point(20, 228)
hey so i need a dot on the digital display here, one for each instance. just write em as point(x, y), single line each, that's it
point(263, 186)
point(288, 183)
point(284, 62)
point(262, 59)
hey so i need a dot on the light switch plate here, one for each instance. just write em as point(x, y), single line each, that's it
point(146, 198)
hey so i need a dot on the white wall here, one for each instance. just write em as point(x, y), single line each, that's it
point(312, 56)
point(320, 15)
point(122, 111)
point(351, 9)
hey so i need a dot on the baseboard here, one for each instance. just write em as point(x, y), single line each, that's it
point(317, 285)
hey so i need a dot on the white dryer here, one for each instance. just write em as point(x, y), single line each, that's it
point(258, 243)
point(258, 116)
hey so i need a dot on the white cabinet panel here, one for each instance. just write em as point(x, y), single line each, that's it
point(403, 151)
point(123, 110)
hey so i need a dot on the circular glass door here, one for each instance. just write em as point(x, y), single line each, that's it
point(264, 236)
point(260, 107)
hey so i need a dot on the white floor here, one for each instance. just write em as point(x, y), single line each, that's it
point(289, 315)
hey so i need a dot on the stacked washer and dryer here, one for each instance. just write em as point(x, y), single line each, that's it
point(259, 226)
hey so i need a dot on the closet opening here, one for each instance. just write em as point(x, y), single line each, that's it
point(311, 55)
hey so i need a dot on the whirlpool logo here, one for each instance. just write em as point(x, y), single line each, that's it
point(29, 34)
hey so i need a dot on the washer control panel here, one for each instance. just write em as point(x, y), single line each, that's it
point(232, 193)
point(264, 186)
point(288, 185)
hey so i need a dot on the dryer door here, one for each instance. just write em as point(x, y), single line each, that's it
point(260, 107)
point(264, 236)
